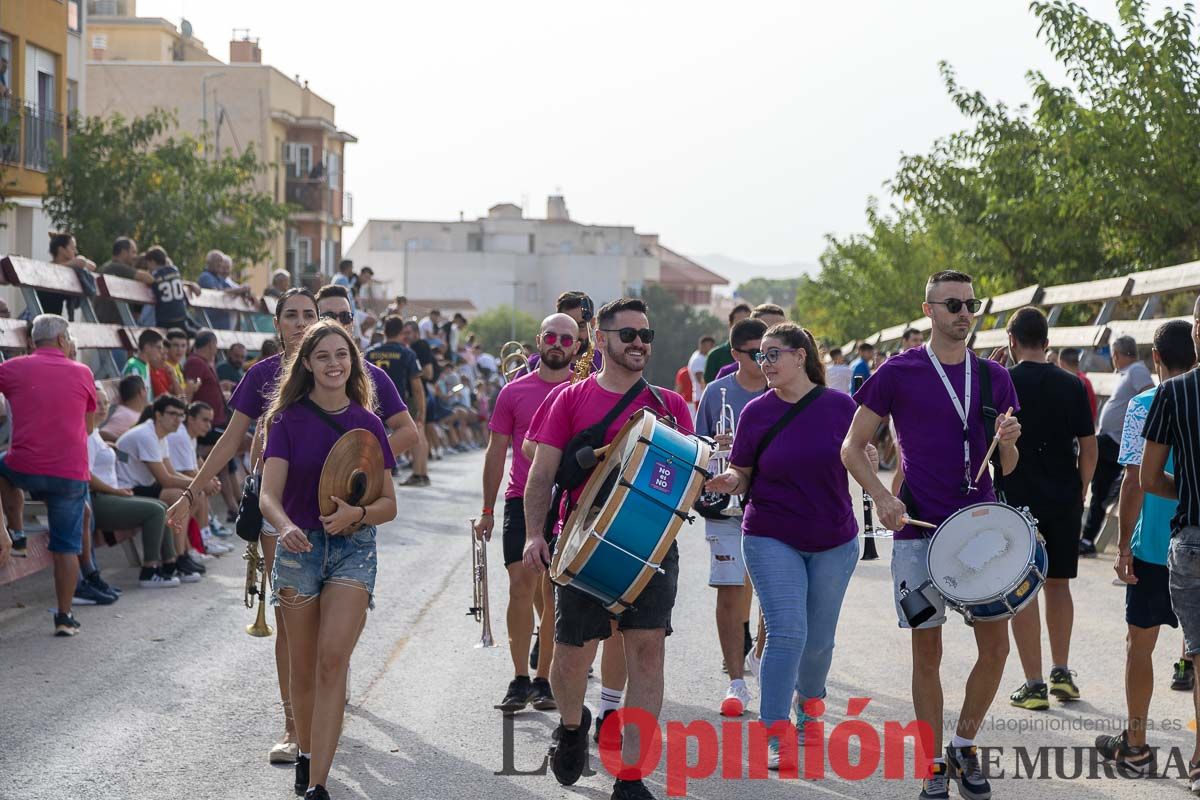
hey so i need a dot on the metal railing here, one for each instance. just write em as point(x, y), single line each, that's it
point(43, 131)
point(10, 130)
point(311, 194)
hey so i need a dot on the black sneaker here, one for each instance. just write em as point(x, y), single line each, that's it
point(1034, 699)
point(1139, 760)
point(20, 544)
point(1184, 677)
point(962, 765)
point(185, 571)
point(937, 785)
point(1062, 684)
point(187, 560)
point(88, 595)
point(535, 652)
point(569, 753)
point(65, 624)
point(302, 763)
point(520, 692)
point(630, 790)
point(542, 697)
point(600, 724)
point(98, 582)
point(316, 793)
point(1087, 549)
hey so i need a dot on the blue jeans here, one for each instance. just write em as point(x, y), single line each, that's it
point(64, 499)
point(801, 597)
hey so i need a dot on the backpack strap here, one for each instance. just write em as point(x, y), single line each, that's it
point(323, 414)
point(990, 415)
point(779, 425)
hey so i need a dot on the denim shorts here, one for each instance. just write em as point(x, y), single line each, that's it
point(64, 499)
point(333, 559)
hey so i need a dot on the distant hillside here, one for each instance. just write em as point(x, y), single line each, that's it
point(741, 271)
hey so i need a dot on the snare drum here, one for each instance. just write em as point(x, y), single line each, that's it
point(630, 512)
point(988, 561)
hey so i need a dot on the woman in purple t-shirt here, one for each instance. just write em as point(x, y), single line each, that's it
point(800, 535)
point(324, 576)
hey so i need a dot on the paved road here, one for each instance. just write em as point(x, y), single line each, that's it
point(163, 695)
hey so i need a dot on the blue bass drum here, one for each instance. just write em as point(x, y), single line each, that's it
point(630, 512)
point(988, 561)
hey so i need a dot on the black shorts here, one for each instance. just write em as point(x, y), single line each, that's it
point(1148, 602)
point(1061, 529)
point(514, 530)
point(151, 491)
point(579, 618)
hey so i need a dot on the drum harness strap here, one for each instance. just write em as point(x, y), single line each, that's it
point(990, 414)
point(774, 431)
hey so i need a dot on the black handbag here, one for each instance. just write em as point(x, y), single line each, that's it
point(249, 517)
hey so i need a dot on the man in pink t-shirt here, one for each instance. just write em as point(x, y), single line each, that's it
point(53, 402)
point(624, 338)
point(557, 342)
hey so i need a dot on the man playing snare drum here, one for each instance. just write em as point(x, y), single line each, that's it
point(935, 399)
point(580, 622)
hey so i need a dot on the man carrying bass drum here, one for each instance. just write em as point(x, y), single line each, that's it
point(935, 398)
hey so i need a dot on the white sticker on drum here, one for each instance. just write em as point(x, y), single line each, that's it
point(985, 547)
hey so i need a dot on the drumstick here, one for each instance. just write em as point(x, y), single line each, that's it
point(992, 449)
point(919, 524)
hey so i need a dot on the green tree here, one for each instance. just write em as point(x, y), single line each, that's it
point(141, 178)
point(781, 291)
point(495, 327)
point(677, 330)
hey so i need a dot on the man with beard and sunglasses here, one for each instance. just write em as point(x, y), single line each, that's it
point(624, 337)
point(935, 396)
point(557, 342)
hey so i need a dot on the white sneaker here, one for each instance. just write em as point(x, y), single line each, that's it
point(753, 661)
point(736, 701)
point(157, 581)
point(203, 556)
point(773, 755)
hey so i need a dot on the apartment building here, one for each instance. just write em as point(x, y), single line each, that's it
point(508, 259)
point(41, 84)
point(136, 64)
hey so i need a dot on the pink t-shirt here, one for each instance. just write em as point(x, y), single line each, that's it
point(515, 406)
point(48, 396)
point(583, 404)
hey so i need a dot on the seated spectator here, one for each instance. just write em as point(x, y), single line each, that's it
point(217, 267)
point(150, 363)
point(132, 400)
point(269, 348)
point(231, 370)
point(181, 448)
point(397, 306)
point(281, 281)
point(177, 350)
point(145, 467)
point(116, 508)
point(170, 290)
point(124, 264)
point(63, 253)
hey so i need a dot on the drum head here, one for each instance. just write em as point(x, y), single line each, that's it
point(981, 552)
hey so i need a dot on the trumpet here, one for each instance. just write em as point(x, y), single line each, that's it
point(513, 360)
point(712, 505)
point(256, 584)
point(479, 600)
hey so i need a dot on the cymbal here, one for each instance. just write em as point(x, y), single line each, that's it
point(353, 471)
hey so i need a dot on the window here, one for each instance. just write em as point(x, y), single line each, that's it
point(40, 69)
point(293, 265)
point(532, 242)
point(304, 251)
point(474, 242)
point(333, 168)
point(298, 158)
point(73, 16)
point(72, 97)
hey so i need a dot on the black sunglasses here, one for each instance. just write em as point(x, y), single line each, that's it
point(344, 317)
point(752, 352)
point(627, 335)
point(954, 305)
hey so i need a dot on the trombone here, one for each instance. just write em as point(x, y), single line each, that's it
point(513, 360)
point(256, 584)
point(479, 600)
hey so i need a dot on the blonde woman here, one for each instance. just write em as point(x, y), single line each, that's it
point(324, 576)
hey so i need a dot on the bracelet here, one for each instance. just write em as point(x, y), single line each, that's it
point(188, 494)
point(487, 512)
point(364, 515)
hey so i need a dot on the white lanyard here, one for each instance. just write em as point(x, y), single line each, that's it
point(963, 408)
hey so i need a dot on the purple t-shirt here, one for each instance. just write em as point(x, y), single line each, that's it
point(303, 439)
point(930, 431)
point(801, 493)
point(728, 369)
point(253, 392)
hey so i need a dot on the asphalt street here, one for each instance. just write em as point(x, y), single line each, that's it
point(164, 695)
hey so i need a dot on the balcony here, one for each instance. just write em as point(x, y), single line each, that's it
point(311, 194)
point(28, 135)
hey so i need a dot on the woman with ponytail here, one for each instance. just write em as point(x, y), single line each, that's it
point(799, 530)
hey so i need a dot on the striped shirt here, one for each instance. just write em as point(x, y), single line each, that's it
point(1174, 420)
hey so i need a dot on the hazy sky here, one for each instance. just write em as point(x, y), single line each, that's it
point(750, 129)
